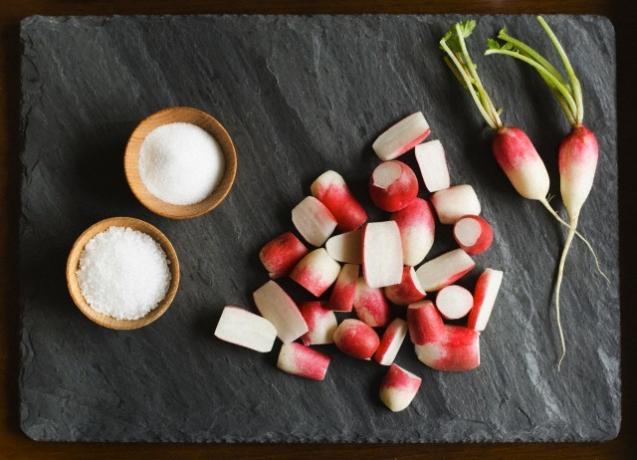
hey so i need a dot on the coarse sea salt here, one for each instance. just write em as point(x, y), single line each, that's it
point(180, 163)
point(123, 273)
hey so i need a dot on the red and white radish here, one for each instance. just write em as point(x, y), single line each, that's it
point(398, 388)
point(424, 323)
point(393, 185)
point(281, 254)
point(316, 272)
point(321, 323)
point(401, 137)
point(391, 341)
point(302, 361)
point(417, 230)
point(455, 202)
point(331, 190)
point(444, 270)
point(346, 247)
point(484, 296)
point(454, 302)
point(433, 165)
point(473, 234)
point(382, 254)
point(356, 339)
point(240, 327)
point(278, 308)
point(370, 304)
point(313, 221)
point(344, 292)
point(408, 291)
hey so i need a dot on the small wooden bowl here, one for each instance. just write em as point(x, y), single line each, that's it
point(73, 262)
point(183, 115)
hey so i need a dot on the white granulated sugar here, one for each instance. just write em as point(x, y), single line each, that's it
point(123, 273)
point(180, 163)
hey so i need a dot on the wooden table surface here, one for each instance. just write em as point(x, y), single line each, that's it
point(14, 445)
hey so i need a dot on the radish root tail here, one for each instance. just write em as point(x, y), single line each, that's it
point(558, 286)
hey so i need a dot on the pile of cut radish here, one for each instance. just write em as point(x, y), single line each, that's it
point(371, 265)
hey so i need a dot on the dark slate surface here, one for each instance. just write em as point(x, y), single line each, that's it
point(299, 95)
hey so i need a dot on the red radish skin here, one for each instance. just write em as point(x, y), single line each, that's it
point(433, 165)
point(316, 272)
point(401, 137)
point(424, 322)
point(391, 341)
point(473, 234)
point(453, 203)
point(277, 307)
point(393, 185)
point(417, 230)
point(454, 302)
point(344, 292)
point(321, 323)
point(382, 254)
point(313, 221)
point(240, 327)
point(444, 270)
point(346, 247)
point(331, 189)
point(398, 388)
point(356, 339)
point(302, 361)
point(485, 293)
point(281, 254)
point(370, 305)
point(408, 291)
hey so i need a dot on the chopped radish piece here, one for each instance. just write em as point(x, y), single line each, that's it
point(313, 220)
point(424, 322)
point(278, 308)
point(444, 270)
point(433, 165)
point(417, 230)
point(356, 339)
point(485, 293)
point(453, 203)
point(281, 254)
point(454, 302)
point(473, 234)
point(302, 361)
point(330, 188)
point(320, 321)
point(240, 327)
point(346, 247)
point(382, 254)
point(401, 137)
point(393, 186)
point(399, 388)
point(408, 291)
point(344, 292)
point(390, 343)
point(316, 272)
point(370, 304)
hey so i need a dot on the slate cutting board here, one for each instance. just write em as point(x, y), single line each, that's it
point(300, 95)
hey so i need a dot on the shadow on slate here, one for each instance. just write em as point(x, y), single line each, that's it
point(300, 95)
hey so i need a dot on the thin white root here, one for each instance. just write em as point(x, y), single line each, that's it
point(558, 286)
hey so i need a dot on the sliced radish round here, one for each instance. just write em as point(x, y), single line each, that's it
point(473, 234)
point(454, 302)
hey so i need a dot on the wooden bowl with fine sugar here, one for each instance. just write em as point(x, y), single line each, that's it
point(72, 264)
point(180, 115)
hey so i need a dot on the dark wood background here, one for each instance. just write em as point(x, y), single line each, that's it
point(15, 445)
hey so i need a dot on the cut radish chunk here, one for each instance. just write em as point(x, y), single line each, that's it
point(320, 321)
point(331, 190)
point(433, 165)
point(424, 322)
point(390, 343)
point(485, 293)
point(473, 234)
point(313, 221)
point(393, 186)
point(417, 230)
point(302, 361)
point(278, 308)
point(399, 388)
point(454, 302)
point(281, 254)
point(401, 137)
point(344, 292)
point(356, 339)
point(382, 254)
point(453, 203)
point(240, 327)
point(346, 247)
point(408, 291)
point(370, 304)
point(316, 272)
point(444, 270)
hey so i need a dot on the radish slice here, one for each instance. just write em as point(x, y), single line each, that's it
point(346, 247)
point(313, 220)
point(281, 254)
point(401, 137)
point(278, 308)
point(454, 302)
point(473, 234)
point(433, 165)
point(444, 270)
point(316, 272)
point(486, 291)
point(390, 343)
point(382, 254)
point(240, 327)
point(302, 361)
point(398, 388)
point(453, 203)
point(344, 292)
point(408, 291)
point(320, 321)
point(393, 185)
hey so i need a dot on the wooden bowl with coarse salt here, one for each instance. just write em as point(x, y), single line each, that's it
point(182, 115)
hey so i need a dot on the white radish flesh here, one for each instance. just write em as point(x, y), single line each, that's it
point(391, 341)
point(453, 203)
point(398, 388)
point(473, 234)
point(382, 254)
point(346, 247)
point(401, 137)
point(433, 165)
point(313, 221)
point(486, 291)
point(444, 270)
point(240, 327)
point(454, 302)
point(278, 308)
